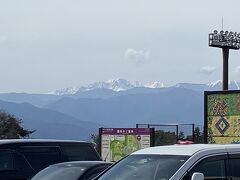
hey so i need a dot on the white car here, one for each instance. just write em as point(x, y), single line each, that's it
point(178, 162)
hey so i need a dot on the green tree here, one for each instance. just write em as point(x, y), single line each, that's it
point(164, 138)
point(181, 135)
point(198, 136)
point(10, 127)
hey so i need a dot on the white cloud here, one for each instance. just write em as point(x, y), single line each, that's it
point(3, 38)
point(137, 57)
point(207, 70)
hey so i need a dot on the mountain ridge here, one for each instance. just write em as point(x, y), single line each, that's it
point(129, 109)
point(123, 85)
point(71, 116)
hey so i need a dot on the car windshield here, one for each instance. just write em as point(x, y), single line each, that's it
point(58, 172)
point(145, 167)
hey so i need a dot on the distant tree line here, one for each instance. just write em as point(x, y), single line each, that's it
point(167, 137)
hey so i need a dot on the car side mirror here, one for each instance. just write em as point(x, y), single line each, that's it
point(197, 176)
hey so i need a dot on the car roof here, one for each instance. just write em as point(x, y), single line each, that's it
point(12, 141)
point(82, 164)
point(187, 150)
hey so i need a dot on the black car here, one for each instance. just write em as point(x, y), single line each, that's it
point(23, 158)
point(75, 170)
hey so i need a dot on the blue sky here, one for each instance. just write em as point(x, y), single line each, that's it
point(51, 44)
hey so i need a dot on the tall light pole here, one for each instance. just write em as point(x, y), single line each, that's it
point(225, 40)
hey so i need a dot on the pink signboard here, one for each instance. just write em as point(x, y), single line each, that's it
point(132, 131)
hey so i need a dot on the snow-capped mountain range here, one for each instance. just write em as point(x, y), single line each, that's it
point(113, 84)
point(123, 85)
point(114, 103)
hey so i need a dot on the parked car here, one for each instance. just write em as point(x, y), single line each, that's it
point(77, 170)
point(22, 158)
point(178, 162)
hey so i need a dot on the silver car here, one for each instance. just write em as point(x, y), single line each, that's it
point(178, 162)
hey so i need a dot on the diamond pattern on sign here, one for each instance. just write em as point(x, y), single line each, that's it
point(222, 125)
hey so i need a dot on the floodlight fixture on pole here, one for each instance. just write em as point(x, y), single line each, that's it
point(225, 40)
